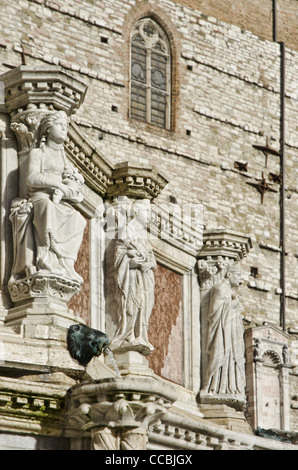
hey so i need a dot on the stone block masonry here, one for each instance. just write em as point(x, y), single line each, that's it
point(227, 84)
point(226, 100)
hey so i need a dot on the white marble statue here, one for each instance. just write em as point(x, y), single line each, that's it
point(134, 263)
point(225, 375)
point(47, 229)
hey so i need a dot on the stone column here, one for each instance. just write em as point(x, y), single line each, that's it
point(116, 413)
point(31, 95)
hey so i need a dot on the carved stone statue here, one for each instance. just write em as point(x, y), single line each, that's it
point(47, 230)
point(134, 263)
point(225, 374)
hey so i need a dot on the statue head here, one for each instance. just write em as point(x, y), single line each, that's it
point(54, 127)
point(234, 275)
point(84, 343)
point(140, 211)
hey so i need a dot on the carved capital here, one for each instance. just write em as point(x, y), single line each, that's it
point(43, 286)
point(25, 128)
point(212, 271)
point(117, 412)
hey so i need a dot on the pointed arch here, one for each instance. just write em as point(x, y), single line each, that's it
point(150, 74)
point(167, 29)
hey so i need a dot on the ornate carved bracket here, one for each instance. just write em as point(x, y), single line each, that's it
point(39, 286)
point(117, 412)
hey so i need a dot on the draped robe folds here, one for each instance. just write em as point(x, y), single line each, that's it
point(57, 227)
point(225, 344)
point(134, 294)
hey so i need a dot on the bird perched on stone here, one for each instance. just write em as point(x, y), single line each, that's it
point(84, 343)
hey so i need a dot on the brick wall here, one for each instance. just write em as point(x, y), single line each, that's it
point(254, 16)
point(228, 101)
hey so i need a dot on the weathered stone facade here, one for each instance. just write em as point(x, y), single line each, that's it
point(222, 156)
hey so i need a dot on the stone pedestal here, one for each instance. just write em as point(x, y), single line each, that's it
point(43, 311)
point(132, 363)
point(226, 416)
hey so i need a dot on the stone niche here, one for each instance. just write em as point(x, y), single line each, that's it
point(221, 249)
point(222, 393)
point(268, 365)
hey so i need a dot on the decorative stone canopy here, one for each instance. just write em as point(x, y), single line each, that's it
point(220, 248)
point(32, 92)
point(136, 181)
point(227, 244)
point(28, 88)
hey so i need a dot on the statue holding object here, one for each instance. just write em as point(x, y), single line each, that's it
point(47, 229)
point(134, 263)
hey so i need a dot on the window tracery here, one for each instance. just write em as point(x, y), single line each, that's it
point(150, 74)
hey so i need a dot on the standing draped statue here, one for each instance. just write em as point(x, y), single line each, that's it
point(47, 229)
point(225, 374)
point(134, 263)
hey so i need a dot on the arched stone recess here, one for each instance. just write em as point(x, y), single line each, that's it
point(268, 365)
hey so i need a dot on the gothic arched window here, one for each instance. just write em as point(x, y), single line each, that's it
point(150, 74)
